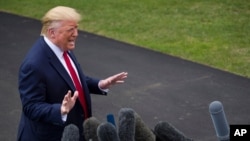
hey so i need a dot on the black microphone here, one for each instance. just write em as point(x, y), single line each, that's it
point(70, 133)
point(166, 132)
point(107, 132)
point(219, 121)
point(126, 119)
point(142, 131)
point(90, 126)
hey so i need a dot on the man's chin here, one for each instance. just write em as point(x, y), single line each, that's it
point(71, 47)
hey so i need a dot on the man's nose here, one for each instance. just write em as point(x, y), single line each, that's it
point(75, 32)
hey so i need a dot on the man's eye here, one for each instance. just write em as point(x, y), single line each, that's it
point(71, 30)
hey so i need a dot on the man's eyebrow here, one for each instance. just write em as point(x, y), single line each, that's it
point(73, 25)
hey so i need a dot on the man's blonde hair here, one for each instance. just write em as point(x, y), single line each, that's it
point(60, 13)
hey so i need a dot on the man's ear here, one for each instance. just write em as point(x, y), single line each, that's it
point(51, 33)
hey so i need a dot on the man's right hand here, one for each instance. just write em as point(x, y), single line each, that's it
point(68, 102)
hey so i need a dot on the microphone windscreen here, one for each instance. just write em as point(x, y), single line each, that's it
point(219, 120)
point(142, 131)
point(126, 119)
point(111, 119)
point(70, 133)
point(90, 126)
point(107, 132)
point(166, 132)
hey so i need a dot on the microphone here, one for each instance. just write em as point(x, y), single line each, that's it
point(142, 132)
point(70, 133)
point(90, 126)
point(126, 124)
point(111, 119)
point(166, 132)
point(107, 132)
point(219, 121)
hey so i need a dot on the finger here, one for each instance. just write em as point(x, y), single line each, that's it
point(118, 78)
point(75, 96)
point(67, 96)
point(69, 93)
point(124, 73)
point(122, 78)
point(119, 82)
point(120, 74)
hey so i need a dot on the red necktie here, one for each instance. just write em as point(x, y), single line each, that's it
point(77, 83)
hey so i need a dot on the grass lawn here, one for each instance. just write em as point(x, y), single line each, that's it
point(210, 32)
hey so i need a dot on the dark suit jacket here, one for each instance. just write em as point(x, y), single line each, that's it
point(43, 83)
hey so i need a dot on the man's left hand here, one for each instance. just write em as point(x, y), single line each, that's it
point(112, 80)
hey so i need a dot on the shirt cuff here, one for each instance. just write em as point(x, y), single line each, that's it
point(104, 90)
point(64, 118)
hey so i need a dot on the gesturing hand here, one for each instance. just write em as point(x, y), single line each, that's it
point(112, 80)
point(68, 102)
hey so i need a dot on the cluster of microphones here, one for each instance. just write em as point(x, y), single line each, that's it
point(131, 127)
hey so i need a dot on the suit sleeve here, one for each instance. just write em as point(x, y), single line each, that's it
point(91, 83)
point(32, 89)
point(93, 86)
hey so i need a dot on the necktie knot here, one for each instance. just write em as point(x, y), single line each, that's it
point(65, 54)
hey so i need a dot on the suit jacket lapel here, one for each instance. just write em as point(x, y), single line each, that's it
point(57, 65)
point(61, 70)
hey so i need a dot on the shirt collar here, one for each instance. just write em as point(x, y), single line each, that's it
point(58, 52)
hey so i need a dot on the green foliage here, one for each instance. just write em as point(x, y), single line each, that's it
point(210, 32)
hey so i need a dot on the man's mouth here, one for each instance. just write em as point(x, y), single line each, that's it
point(72, 42)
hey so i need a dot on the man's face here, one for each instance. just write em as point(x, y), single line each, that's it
point(65, 35)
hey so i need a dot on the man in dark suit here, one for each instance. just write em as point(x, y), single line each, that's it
point(52, 95)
